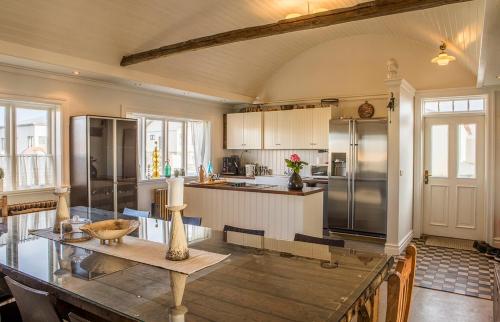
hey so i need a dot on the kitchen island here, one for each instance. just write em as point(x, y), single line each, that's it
point(280, 212)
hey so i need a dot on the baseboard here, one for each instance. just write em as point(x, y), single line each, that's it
point(397, 249)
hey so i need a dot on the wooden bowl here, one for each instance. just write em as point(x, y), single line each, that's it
point(110, 230)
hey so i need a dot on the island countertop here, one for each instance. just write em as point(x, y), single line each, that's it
point(258, 188)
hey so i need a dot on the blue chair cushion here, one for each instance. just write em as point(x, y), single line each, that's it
point(135, 213)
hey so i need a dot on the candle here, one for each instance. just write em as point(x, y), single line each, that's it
point(175, 192)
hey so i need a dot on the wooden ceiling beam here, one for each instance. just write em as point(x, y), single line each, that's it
point(366, 10)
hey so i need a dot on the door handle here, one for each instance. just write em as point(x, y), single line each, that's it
point(426, 176)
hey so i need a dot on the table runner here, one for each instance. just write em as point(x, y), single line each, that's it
point(144, 251)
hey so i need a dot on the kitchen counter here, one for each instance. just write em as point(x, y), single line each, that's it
point(312, 182)
point(279, 212)
point(258, 188)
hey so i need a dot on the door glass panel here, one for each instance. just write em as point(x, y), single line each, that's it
point(466, 151)
point(439, 150)
point(101, 163)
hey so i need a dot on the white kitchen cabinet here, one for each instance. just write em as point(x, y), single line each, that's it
point(277, 130)
point(244, 131)
point(320, 127)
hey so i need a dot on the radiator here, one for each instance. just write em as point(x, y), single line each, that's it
point(28, 207)
point(160, 201)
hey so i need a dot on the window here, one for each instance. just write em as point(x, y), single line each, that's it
point(29, 161)
point(473, 104)
point(185, 143)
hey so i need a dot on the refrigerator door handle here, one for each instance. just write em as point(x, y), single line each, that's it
point(349, 169)
point(354, 158)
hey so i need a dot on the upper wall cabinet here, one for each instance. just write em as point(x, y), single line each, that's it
point(297, 129)
point(278, 130)
point(244, 131)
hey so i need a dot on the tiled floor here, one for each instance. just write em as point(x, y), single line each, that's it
point(458, 271)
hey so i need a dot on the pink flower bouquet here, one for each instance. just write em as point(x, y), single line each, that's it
point(295, 163)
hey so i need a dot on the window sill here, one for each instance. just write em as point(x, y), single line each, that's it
point(29, 191)
point(163, 179)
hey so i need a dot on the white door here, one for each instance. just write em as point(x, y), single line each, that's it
point(454, 187)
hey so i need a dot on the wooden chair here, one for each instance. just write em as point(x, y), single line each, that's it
point(34, 305)
point(135, 213)
point(400, 287)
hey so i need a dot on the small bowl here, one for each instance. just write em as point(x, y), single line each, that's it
point(110, 230)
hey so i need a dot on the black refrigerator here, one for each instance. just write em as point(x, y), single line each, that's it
point(103, 162)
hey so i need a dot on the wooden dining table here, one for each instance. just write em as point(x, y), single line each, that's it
point(250, 285)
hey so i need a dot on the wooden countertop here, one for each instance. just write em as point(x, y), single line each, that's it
point(260, 189)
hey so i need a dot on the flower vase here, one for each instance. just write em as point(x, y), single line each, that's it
point(62, 210)
point(295, 182)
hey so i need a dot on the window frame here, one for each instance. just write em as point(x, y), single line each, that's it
point(141, 119)
point(453, 99)
point(11, 107)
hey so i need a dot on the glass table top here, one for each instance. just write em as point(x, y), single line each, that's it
point(250, 284)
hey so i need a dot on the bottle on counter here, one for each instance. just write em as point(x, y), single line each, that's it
point(167, 170)
point(201, 174)
point(210, 168)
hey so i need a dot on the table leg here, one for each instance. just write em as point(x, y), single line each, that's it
point(375, 301)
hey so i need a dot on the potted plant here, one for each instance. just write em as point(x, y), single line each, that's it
point(295, 164)
point(2, 175)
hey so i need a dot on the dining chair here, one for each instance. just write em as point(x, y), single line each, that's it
point(246, 240)
point(320, 241)
point(400, 287)
point(195, 221)
point(76, 318)
point(135, 213)
point(34, 305)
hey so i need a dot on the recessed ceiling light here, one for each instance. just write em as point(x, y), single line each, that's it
point(76, 73)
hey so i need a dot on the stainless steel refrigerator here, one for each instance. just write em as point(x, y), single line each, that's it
point(357, 184)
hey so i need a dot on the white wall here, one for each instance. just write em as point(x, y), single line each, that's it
point(86, 97)
point(356, 66)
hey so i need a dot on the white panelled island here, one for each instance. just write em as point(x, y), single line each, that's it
point(280, 212)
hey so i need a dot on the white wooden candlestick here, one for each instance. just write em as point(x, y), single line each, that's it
point(62, 211)
point(177, 247)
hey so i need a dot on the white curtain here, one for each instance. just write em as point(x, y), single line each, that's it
point(200, 140)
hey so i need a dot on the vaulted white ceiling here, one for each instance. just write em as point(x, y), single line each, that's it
point(104, 31)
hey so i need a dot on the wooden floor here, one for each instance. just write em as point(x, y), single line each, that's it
point(434, 306)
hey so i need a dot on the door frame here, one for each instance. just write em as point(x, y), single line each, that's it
point(489, 166)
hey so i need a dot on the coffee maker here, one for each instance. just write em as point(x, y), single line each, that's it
point(231, 165)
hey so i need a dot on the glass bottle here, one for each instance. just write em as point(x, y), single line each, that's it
point(209, 168)
point(168, 169)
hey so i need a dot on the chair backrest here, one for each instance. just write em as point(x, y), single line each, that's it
point(34, 305)
point(135, 213)
point(320, 241)
point(195, 221)
point(400, 286)
point(76, 318)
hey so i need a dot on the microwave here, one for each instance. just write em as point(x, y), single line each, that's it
point(319, 170)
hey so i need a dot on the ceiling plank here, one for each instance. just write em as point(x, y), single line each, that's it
point(361, 11)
